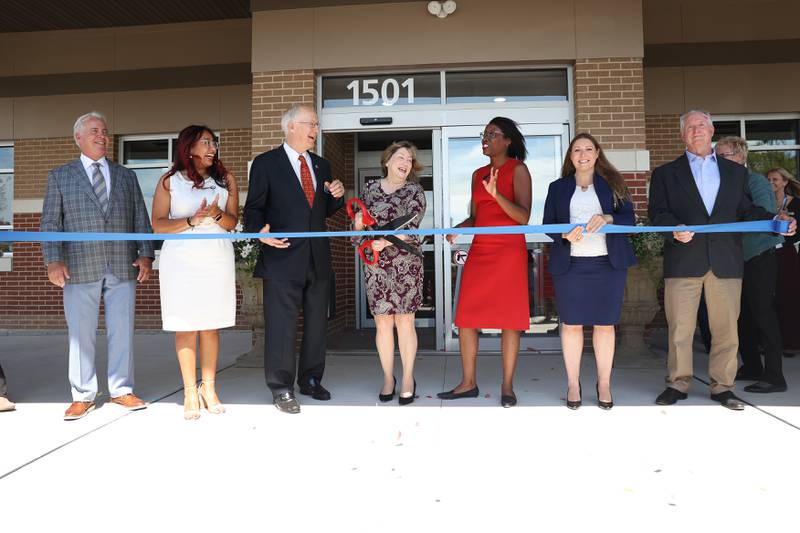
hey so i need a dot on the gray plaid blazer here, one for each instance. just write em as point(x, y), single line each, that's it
point(71, 205)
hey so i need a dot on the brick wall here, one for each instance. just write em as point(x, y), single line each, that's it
point(235, 151)
point(609, 101)
point(273, 93)
point(340, 151)
point(663, 138)
point(609, 104)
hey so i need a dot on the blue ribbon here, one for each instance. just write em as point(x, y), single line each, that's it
point(771, 226)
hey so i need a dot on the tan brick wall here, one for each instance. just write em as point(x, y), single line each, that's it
point(235, 149)
point(609, 104)
point(663, 138)
point(273, 93)
point(34, 158)
point(340, 151)
point(609, 101)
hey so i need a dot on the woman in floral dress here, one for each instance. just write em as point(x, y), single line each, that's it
point(394, 283)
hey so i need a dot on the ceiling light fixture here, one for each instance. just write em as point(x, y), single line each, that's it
point(442, 9)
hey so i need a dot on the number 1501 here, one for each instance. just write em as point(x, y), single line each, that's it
point(389, 93)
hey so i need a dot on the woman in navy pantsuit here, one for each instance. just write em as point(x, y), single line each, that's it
point(589, 268)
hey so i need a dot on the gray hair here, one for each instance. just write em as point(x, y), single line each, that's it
point(290, 115)
point(737, 144)
point(83, 118)
point(705, 114)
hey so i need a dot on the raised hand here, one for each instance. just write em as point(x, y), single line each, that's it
point(491, 184)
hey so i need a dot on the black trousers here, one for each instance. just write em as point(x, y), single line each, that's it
point(3, 388)
point(283, 300)
point(758, 321)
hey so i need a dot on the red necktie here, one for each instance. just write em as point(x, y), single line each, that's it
point(305, 179)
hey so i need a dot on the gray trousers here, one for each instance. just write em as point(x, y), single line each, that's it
point(82, 308)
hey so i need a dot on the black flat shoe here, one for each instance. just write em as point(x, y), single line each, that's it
point(508, 400)
point(728, 400)
point(576, 403)
point(601, 404)
point(388, 397)
point(405, 400)
point(453, 395)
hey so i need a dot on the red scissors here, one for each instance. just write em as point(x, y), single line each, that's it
point(370, 222)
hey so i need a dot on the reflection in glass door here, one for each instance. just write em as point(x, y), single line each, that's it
point(461, 155)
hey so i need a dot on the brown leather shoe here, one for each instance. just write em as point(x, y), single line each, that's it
point(130, 402)
point(78, 410)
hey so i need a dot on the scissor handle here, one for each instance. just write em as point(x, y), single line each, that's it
point(366, 218)
point(362, 251)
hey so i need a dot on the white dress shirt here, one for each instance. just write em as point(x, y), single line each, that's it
point(294, 159)
point(88, 165)
point(705, 171)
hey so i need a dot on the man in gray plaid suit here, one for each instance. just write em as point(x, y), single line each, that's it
point(92, 194)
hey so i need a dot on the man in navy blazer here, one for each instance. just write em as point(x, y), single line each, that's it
point(701, 188)
point(291, 189)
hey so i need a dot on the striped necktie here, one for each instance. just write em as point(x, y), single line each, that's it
point(306, 181)
point(99, 186)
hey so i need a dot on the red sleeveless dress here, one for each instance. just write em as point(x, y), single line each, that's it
point(494, 283)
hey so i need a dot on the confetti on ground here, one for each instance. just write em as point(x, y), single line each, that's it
point(657, 471)
point(487, 395)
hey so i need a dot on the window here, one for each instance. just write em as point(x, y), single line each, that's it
point(506, 86)
point(149, 157)
point(6, 193)
point(772, 140)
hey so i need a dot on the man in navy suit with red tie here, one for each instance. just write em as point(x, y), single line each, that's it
point(291, 189)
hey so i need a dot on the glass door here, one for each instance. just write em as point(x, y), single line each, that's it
point(461, 154)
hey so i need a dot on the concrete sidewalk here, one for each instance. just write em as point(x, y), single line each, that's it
point(353, 464)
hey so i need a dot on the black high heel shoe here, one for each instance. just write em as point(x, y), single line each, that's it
point(405, 400)
point(388, 397)
point(601, 404)
point(575, 404)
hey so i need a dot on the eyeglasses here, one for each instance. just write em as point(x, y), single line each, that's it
point(492, 135)
point(314, 125)
point(209, 143)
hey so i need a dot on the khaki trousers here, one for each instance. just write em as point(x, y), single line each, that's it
point(681, 300)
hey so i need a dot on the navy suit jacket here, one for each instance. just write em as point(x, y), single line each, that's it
point(556, 211)
point(675, 199)
point(275, 197)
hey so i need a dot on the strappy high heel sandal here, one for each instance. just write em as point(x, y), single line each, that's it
point(213, 408)
point(190, 414)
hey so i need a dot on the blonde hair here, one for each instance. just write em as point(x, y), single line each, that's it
point(792, 187)
point(416, 166)
point(737, 144)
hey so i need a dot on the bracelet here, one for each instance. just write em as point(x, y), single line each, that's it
point(189, 221)
point(218, 217)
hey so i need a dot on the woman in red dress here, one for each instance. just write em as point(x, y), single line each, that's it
point(494, 283)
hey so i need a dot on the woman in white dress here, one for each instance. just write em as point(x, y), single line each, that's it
point(197, 277)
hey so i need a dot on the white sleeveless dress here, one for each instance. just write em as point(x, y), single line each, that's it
point(197, 277)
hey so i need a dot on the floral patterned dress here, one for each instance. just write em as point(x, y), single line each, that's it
point(394, 283)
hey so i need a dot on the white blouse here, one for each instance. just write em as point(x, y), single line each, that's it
point(582, 206)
